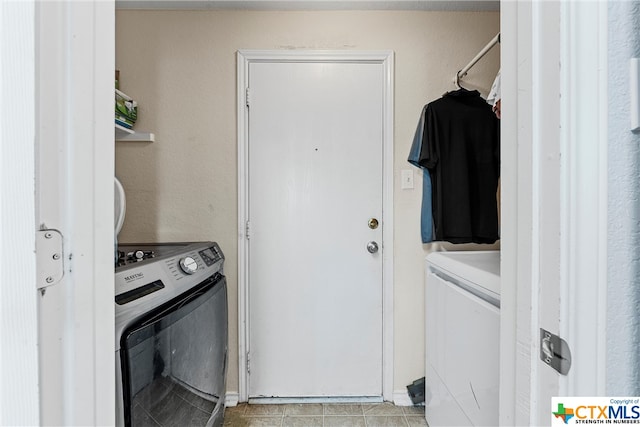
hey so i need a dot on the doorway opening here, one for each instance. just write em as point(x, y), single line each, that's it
point(322, 62)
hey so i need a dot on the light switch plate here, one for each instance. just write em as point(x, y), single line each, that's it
point(407, 179)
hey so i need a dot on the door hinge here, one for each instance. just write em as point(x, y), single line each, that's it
point(247, 230)
point(247, 97)
point(555, 352)
point(49, 258)
point(248, 363)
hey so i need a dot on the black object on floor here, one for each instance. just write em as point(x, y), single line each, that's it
point(416, 391)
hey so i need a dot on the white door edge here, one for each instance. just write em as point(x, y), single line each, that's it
point(386, 58)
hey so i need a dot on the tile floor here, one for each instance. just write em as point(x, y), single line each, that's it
point(324, 415)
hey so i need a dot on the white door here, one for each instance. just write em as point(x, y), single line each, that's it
point(315, 181)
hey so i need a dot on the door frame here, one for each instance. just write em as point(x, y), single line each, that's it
point(74, 146)
point(58, 343)
point(386, 59)
point(553, 62)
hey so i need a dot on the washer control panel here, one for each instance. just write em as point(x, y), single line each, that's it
point(164, 268)
point(211, 255)
point(188, 265)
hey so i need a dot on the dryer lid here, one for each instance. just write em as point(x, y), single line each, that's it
point(479, 268)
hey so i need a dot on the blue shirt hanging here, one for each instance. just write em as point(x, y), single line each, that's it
point(426, 217)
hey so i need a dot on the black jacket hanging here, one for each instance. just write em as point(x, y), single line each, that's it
point(461, 149)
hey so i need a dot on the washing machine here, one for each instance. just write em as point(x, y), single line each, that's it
point(462, 314)
point(171, 334)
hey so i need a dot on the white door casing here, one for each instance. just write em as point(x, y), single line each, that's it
point(75, 59)
point(554, 202)
point(285, 204)
point(49, 132)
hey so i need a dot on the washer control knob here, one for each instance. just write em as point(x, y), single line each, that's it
point(188, 265)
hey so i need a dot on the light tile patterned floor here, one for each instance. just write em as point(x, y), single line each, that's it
point(324, 415)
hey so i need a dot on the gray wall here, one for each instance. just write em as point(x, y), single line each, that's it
point(623, 328)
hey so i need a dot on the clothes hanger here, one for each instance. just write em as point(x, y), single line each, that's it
point(463, 72)
point(456, 82)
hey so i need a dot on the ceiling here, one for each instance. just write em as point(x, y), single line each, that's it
point(435, 5)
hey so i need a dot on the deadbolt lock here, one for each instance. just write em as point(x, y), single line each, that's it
point(373, 223)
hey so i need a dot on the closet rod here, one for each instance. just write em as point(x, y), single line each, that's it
point(463, 72)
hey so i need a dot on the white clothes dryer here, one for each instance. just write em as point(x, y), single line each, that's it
point(462, 338)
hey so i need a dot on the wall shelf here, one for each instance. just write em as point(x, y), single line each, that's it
point(124, 134)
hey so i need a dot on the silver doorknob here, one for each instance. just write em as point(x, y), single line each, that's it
point(372, 247)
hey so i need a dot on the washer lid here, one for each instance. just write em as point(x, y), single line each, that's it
point(479, 268)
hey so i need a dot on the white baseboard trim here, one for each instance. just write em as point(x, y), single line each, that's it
point(324, 399)
point(401, 398)
point(231, 399)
